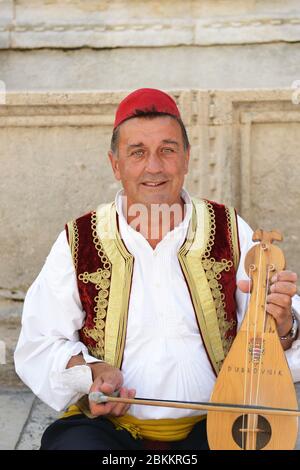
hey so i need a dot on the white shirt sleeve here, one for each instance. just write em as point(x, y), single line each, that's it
point(52, 316)
point(292, 354)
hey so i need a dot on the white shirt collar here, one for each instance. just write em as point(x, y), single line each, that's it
point(136, 241)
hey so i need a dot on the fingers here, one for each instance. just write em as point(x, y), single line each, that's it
point(278, 312)
point(110, 408)
point(108, 380)
point(108, 388)
point(283, 282)
point(282, 317)
point(245, 286)
point(284, 287)
point(285, 276)
point(280, 300)
point(120, 409)
point(103, 408)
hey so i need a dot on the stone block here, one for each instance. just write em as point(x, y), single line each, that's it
point(15, 409)
point(6, 20)
point(63, 24)
point(10, 325)
point(40, 418)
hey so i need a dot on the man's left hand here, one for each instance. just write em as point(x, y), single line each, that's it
point(279, 300)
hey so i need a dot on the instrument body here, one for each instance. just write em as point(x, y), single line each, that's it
point(255, 371)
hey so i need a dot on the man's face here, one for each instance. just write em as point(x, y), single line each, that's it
point(151, 161)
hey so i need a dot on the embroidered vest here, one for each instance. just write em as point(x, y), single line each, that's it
point(209, 259)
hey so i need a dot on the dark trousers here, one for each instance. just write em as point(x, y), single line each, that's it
point(81, 433)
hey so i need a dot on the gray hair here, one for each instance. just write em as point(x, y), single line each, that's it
point(149, 115)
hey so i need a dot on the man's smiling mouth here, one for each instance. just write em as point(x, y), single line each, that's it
point(154, 185)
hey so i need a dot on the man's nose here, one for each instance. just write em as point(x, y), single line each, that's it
point(154, 163)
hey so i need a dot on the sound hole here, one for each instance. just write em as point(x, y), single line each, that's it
point(255, 437)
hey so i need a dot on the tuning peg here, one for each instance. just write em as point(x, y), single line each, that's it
point(266, 237)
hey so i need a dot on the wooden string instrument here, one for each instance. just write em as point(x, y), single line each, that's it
point(253, 405)
point(255, 371)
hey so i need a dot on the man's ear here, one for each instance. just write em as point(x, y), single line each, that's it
point(114, 161)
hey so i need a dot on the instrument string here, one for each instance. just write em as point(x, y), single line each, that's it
point(258, 287)
point(263, 359)
point(246, 355)
point(263, 333)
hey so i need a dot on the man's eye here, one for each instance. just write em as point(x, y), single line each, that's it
point(138, 153)
point(167, 150)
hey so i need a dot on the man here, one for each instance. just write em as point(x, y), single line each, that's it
point(139, 297)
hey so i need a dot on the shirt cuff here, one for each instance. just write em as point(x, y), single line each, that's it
point(90, 359)
point(77, 379)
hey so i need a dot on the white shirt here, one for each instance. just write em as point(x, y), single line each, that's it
point(164, 356)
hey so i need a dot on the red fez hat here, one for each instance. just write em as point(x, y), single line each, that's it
point(148, 100)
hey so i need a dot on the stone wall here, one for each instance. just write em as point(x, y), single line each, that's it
point(65, 64)
point(123, 44)
point(55, 166)
point(30, 24)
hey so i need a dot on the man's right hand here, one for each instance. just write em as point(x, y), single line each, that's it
point(108, 379)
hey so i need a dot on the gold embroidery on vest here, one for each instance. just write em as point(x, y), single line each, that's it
point(233, 235)
point(73, 241)
point(213, 271)
point(227, 213)
point(101, 279)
